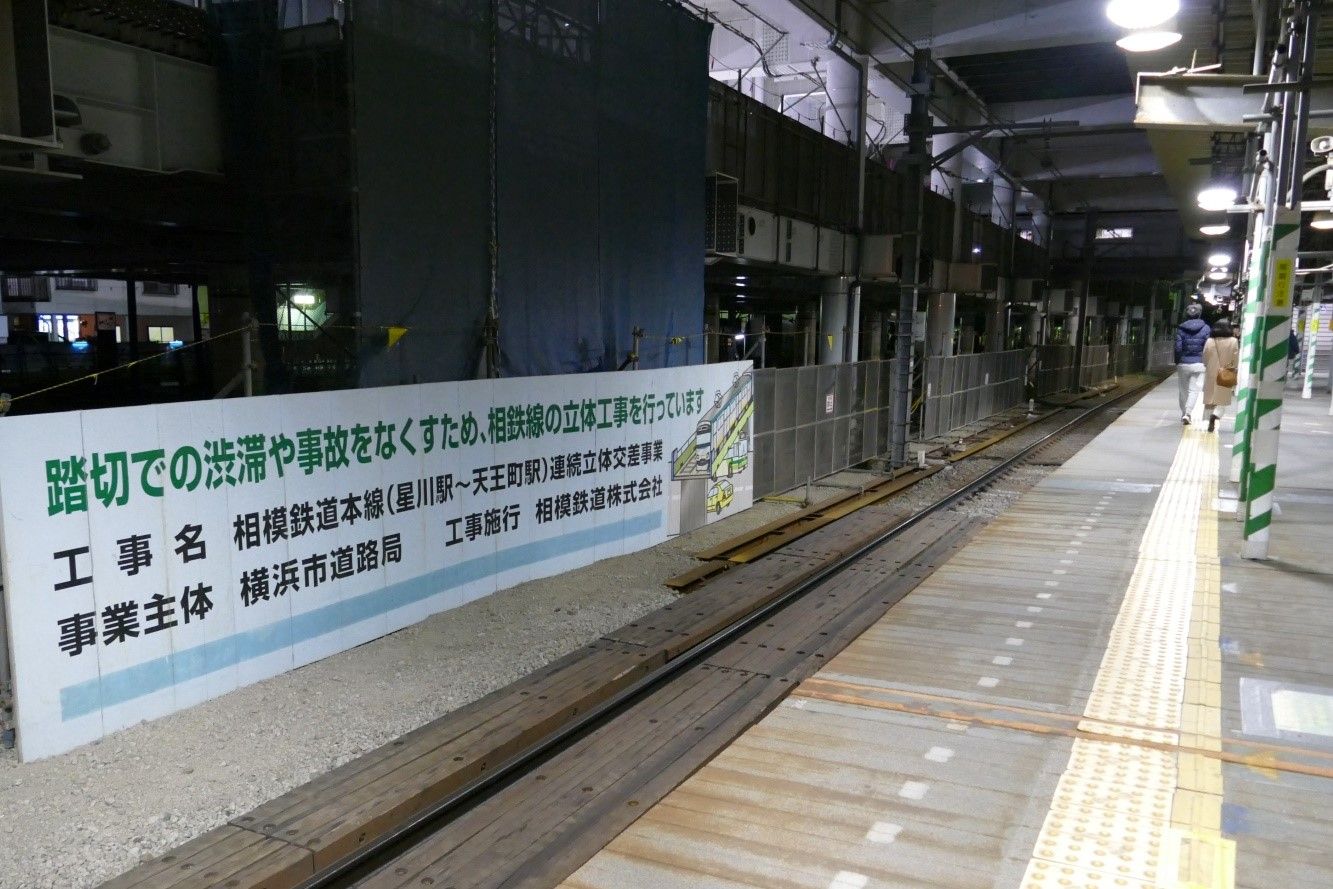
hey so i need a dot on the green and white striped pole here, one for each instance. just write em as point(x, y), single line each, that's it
point(1240, 439)
point(1270, 379)
point(1311, 342)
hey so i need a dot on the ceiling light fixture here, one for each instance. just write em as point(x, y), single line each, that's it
point(1218, 275)
point(1213, 229)
point(1148, 41)
point(1217, 198)
point(1141, 13)
point(1323, 221)
point(1220, 259)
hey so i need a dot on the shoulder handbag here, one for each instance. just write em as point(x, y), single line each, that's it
point(1226, 377)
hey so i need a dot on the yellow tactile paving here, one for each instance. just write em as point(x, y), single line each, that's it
point(918, 754)
point(1127, 814)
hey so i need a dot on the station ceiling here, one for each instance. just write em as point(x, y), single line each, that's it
point(1029, 61)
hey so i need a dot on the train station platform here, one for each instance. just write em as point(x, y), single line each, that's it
point(1096, 692)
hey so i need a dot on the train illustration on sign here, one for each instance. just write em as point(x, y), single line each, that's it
point(720, 445)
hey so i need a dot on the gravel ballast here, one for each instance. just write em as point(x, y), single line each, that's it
point(78, 819)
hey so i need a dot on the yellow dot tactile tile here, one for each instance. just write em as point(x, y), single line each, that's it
point(1131, 814)
point(1050, 875)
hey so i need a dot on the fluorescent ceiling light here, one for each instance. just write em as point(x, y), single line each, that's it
point(1217, 197)
point(1148, 41)
point(1141, 13)
point(1322, 221)
point(1221, 228)
point(1222, 259)
point(303, 298)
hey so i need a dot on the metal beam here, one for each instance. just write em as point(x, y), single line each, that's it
point(1208, 102)
point(985, 128)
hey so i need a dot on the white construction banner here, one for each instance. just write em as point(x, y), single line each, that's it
point(158, 556)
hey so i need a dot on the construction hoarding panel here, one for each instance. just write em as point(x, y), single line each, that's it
point(158, 556)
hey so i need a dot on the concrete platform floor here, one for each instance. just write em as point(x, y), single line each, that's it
point(1095, 693)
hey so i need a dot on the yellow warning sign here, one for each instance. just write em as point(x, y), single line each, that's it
point(396, 334)
point(1282, 272)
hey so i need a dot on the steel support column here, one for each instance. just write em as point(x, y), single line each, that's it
point(917, 163)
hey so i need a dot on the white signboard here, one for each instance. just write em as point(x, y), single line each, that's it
point(158, 556)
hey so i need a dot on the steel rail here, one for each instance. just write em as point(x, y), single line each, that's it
point(371, 857)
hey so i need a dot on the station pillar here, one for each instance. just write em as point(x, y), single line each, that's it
point(807, 328)
point(712, 328)
point(941, 309)
point(996, 316)
point(833, 319)
point(874, 337)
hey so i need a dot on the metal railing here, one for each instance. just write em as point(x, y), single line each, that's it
point(962, 389)
point(810, 422)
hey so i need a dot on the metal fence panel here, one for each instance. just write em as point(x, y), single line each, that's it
point(801, 433)
point(764, 413)
point(1055, 369)
point(1163, 354)
point(962, 389)
point(807, 385)
point(844, 401)
point(1094, 370)
point(804, 454)
point(763, 459)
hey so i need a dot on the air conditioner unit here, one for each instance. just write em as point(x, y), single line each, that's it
point(979, 197)
point(1023, 290)
point(965, 277)
point(720, 208)
point(990, 277)
point(1058, 301)
point(878, 261)
point(833, 251)
point(797, 243)
point(756, 234)
point(937, 275)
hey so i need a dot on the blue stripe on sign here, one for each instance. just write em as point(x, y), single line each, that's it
point(182, 666)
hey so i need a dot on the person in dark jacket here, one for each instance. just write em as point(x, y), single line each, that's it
point(1191, 336)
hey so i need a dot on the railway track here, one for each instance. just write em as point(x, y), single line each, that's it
point(534, 818)
point(521, 787)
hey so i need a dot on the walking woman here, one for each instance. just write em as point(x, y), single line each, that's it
point(1221, 358)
